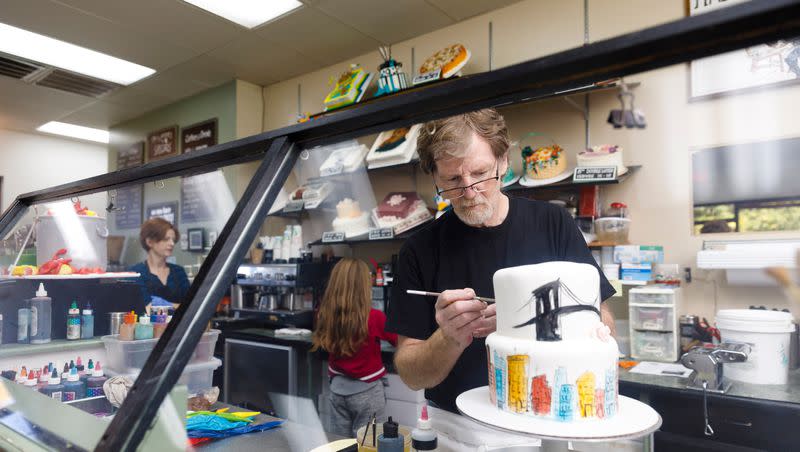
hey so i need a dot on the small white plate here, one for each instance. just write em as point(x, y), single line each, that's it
point(525, 182)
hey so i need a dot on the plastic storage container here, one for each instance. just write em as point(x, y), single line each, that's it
point(768, 334)
point(653, 346)
point(610, 229)
point(198, 377)
point(644, 318)
point(130, 356)
point(651, 297)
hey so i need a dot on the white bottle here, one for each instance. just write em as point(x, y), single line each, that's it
point(424, 437)
point(41, 314)
point(286, 251)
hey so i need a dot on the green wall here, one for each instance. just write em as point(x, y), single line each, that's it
point(220, 103)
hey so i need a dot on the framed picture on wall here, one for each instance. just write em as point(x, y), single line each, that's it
point(199, 136)
point(754, 68)
point(162, 143)
point(196, 239)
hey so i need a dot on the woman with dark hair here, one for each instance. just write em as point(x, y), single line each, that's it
point(157, 276)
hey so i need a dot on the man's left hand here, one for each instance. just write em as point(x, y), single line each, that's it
point(488, 324)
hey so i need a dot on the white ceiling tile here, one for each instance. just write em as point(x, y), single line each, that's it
point(98, 114)
point(464, 9)
point(171, 86)
point(261, 61)
point(136, 97)
point(330, 42)
point(37, 103)
point(388, 22)
point(171, 21)
point(93, 32)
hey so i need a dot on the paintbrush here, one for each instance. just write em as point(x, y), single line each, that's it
point(436, 294)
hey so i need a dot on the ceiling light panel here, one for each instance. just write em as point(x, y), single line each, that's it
point(43, 49)
point(247, 13)
point(75, 131)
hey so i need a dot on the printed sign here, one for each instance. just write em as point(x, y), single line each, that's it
point(381, 233)
point(165, 210)
point(427, 77)
point(594, 174)
point(332, 237)
point(131, 156)
point(293, 206)
point(162, 143)
point(199, 136)
point(127, 201)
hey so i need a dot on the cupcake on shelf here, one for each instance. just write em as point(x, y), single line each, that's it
point(509, 178)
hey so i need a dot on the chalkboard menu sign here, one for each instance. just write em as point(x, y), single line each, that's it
point(127, 201)
point(165, 210)
point(162, 143)
point(199, 136)
point(194, 189)
point(195, 205)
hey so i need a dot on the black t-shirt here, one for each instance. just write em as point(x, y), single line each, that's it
point(448, 254)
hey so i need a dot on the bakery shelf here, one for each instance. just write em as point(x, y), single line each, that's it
point(413, 162)
point(601, 244)
point(568, 184)
point(363, 238)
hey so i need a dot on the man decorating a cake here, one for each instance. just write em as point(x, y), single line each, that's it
point(441, 345)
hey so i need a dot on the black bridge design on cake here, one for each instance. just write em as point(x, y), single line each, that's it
point(549, 309)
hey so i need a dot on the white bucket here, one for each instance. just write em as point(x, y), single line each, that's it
point(768, 334)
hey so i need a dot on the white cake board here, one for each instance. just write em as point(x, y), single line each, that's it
point(634, 419)
point(525, 182)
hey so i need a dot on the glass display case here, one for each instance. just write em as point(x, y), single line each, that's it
point(345, 178)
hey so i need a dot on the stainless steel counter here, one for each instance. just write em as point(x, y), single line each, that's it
point(788, 393)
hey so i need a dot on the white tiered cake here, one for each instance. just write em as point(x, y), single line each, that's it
point(551, 356)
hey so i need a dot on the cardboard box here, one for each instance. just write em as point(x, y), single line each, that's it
point(638, 254)
point(636, 272)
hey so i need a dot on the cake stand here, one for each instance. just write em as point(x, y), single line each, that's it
point(633, 420)
point(525, 182)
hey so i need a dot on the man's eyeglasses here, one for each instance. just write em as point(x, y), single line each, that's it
point(478, 187)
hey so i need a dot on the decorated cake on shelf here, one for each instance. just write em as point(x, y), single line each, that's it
point(401, 211)
point(349, 88)
point(350, 219)
point(450, 60)
point(551, 357)
point(545, 162)
point(394, 147)
point(344, 157)
point(603, 155)
point(312, 193)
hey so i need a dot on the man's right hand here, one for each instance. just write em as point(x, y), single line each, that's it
point(456, 315)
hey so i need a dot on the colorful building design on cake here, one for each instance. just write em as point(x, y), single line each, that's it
point(559, 379)
point(518, 383)
point(566, 396)
point(585, 384)
point(492, 389)
point(499, 380)
point(599, 396)
point(611, 392)
point(541, 395)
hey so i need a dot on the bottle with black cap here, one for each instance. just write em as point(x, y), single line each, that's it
point(390, 440)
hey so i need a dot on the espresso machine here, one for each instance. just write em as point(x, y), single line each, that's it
point(279, 295)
